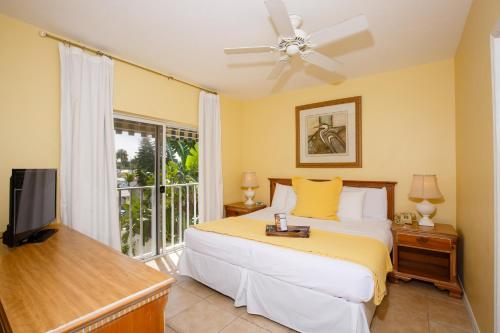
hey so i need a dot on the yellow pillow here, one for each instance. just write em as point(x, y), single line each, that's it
point(317, 199)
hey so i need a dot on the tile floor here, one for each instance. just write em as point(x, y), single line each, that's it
point(409, 307)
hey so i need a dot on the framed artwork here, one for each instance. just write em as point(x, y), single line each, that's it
point(328, 134)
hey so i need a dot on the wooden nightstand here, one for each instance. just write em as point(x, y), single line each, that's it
point(239, 208)
point(427, 254)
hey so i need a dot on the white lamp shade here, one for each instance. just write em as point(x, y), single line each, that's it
point(249, 179)
point(425, 187)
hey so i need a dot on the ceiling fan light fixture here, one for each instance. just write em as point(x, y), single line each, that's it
point(292, 50)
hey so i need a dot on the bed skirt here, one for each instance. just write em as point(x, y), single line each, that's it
point(296, 307)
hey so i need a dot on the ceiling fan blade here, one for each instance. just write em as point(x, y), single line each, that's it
point(249, 49)
point(339, 31)
point(280, 17)
point(278, 68)
point(321, 60)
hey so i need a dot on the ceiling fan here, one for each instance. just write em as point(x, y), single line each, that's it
point(293, 41)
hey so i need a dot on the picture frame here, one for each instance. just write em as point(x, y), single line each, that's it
point(328, 134)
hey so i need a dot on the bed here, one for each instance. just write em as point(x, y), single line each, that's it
point(303, 291)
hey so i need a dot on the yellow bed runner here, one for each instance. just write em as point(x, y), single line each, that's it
point(365, 251)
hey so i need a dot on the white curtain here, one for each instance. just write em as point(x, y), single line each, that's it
point(88, 168)
point(210, 163)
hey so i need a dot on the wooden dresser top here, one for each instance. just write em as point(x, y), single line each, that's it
point(69, 279)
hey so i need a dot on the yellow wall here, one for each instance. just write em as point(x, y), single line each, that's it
point(408, 127)
point(144, 93)
point(29, 104)
point(232, 140)
point(475, 158)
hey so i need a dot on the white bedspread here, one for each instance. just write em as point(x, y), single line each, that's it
point(335, 277)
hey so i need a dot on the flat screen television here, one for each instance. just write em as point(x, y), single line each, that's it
point(33, 195)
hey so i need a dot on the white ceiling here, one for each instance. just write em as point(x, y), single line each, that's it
point(186, 38)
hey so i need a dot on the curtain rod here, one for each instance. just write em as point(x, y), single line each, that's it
point(45, 34)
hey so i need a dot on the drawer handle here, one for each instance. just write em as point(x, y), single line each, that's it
point(422, 240)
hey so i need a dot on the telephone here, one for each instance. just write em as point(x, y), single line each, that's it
point(405, 218)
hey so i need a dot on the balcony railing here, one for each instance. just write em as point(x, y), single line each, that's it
point(138, 218)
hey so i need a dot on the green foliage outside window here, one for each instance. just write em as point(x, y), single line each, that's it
point(181, 159)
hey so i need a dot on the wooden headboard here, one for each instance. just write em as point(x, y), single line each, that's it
point(390, 187)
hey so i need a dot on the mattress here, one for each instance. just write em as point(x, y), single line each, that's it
point(335, 277)
point(302, 309)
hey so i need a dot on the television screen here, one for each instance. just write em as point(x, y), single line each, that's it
point(34, 199)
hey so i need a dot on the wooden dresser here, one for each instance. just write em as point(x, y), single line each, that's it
point(427, 254)
point(72, 283)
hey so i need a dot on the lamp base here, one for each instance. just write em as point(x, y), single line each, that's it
point(426, 209)
point(249, 194)
point(249, 202)
point(426, 221)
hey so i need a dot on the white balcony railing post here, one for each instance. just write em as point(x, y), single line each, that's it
point(195, 199)
point(179, 237)
point(187, 206)
point(154, 218)
point(120, 212)
point(163, 221)
point(172, 229)
point(141, 221)
point(130, 224)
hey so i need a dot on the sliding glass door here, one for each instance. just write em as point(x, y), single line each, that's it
point(157, 176)
point(137, 178)
point(181, 183)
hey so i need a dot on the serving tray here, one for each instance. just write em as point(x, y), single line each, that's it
point(293, 231)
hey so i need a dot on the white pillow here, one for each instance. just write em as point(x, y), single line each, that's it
point(351, 205)
point(279, 197)
point(284, 199)
point(291, 199)
point(375, 203)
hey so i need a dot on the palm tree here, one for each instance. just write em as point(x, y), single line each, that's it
point(122, 161)
point(129, 177)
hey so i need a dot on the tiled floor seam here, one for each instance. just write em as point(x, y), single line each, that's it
point(237, 316)
point(451, 325)
point(255, 324)
point(170, 329)
point(188, 308)
point(222, 329)
point(189, 291)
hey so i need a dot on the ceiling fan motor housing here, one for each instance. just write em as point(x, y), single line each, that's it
point(294, 45)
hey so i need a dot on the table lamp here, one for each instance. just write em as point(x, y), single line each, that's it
point(249, 181)
point(425, 187)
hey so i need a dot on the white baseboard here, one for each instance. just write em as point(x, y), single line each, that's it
point(475, 327)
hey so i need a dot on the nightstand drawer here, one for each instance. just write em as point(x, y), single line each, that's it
point(424, 242)
point(232, 212)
